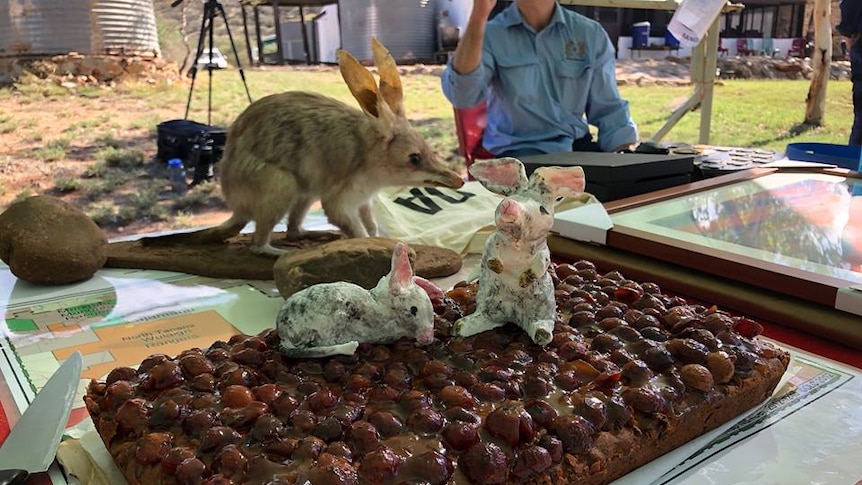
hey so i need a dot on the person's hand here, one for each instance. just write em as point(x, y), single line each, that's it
point(482, 8)
point(625, 148)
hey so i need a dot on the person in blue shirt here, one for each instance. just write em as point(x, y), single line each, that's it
point(547, 73)
point(851, 27)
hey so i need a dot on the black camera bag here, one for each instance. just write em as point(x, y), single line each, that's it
point(179, 138)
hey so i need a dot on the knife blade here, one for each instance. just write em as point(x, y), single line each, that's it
point(32, 444)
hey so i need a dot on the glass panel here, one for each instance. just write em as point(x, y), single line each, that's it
point(807, 222)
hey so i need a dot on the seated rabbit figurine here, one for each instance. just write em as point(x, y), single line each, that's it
point(288, 150)
point(514, 284)
point(334, 318)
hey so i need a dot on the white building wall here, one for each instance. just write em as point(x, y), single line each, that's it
point(328, 34)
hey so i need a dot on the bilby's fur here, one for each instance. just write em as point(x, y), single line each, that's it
point(288, 150)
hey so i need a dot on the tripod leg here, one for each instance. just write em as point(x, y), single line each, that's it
point(210, 66)
point(194, 69)
point(235, 53)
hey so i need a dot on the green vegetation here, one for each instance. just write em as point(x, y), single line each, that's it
point(8, 123)
point(53, 150)
point(65, 184)
point(122, 157)
point(746, 113)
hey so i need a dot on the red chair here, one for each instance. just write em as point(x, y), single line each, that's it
point(742, 47)
point(470, 125)
point(797, 48)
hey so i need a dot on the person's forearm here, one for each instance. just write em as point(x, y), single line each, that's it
point(468, 54)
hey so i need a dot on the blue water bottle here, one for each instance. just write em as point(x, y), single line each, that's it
point(177, 176)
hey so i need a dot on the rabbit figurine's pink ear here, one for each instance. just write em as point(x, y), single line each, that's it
point(401, 275)
point(503, 176)
point(434, 292)
point(391, 91)
point(360, 81)
point(554, 182)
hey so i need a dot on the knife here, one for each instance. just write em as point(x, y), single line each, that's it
point(32, 444)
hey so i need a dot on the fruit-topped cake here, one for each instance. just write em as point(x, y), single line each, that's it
point(629, 374)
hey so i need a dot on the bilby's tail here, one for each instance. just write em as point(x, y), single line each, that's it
point(210, 235)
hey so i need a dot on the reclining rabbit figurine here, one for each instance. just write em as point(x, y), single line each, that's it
point(334, 318)
point(287, 150)
point(514, 284)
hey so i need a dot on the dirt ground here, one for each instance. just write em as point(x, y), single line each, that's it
point(23, 174)
point(93, 145)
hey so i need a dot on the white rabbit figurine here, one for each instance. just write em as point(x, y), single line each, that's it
point(514, 284)
point(288, 150)
point(334, 318)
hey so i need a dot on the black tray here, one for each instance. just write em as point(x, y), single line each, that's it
point(606, 193)
point(616, 168)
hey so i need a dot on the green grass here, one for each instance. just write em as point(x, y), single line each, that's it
point(8, 124)
point(53, 150)
point(65, 184)
point(746, 113)
point(87, 125)
point(125, 158)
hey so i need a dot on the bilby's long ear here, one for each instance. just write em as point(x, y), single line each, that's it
point(360, 81)
point(390, 81)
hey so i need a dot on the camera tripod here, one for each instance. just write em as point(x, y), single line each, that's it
point(211, 9)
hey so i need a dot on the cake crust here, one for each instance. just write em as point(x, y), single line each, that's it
point(631, 373)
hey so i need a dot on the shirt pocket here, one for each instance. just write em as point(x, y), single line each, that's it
point(573, 84)
point(519, 77)
point(572, 68)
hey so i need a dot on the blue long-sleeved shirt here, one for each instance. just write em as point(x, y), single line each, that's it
point(540, 85)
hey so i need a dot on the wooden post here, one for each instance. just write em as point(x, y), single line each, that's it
point(821, 62)
point(305, 45)
point(245, 32)
point(277, 16)
point(260, 57)
point(710, 62)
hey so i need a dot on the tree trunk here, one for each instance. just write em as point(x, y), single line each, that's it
point(821, 60)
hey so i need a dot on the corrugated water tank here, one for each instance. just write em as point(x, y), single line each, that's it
point(48, 27)
point(405, 27)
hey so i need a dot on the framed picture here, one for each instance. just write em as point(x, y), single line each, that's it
point(794, 231)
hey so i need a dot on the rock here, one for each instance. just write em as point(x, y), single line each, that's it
point(45, 240)
point(362, 261)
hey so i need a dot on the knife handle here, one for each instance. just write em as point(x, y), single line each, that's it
point(13, 477)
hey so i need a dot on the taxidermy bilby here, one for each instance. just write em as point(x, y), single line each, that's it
point(288, 150)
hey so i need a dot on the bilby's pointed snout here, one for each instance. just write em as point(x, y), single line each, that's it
point(446, 178)
point(454, 181)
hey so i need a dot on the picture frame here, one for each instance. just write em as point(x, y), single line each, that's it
point(795, 231)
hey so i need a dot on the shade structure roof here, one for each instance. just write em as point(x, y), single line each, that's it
point(289, 3)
